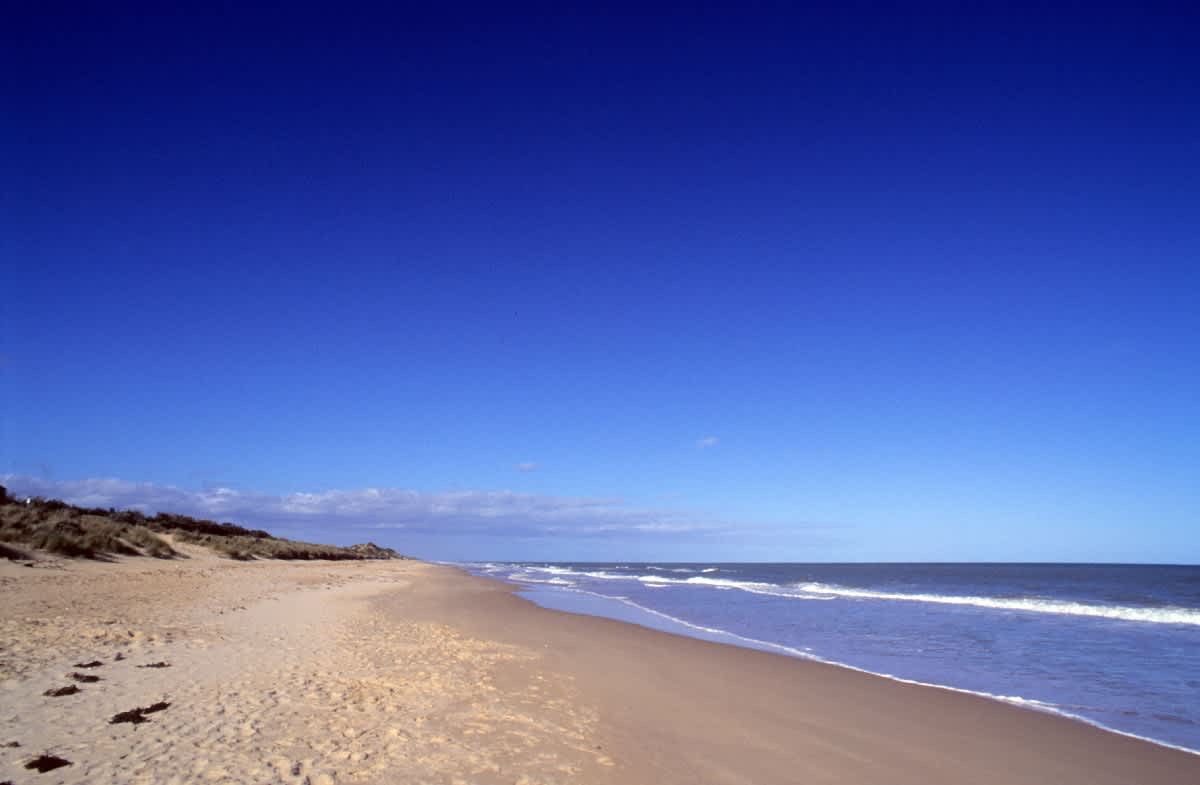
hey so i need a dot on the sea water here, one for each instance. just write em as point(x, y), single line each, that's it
point(1115, 645)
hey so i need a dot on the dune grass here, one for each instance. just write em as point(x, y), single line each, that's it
point(63, 529)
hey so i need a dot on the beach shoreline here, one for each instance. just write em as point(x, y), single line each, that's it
point(408, 671)
point(625, 610)
point(851, 714)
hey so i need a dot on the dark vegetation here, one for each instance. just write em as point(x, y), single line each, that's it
point(95, 533)
point(138, 716)
point(45, 763)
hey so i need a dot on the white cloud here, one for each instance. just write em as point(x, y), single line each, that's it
point(528, 466)
point(706, 442)
point(476, 513)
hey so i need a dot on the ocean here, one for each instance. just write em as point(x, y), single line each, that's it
point(1114, 645)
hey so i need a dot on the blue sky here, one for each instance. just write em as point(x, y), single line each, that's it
point(852, 284)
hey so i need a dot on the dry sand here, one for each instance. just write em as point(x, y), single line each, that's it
point(403, 672)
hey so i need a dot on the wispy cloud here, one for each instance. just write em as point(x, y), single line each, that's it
point(707, 442)
point(528, 466)
point(475, 513)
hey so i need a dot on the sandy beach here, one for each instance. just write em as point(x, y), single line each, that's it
point(401, 671)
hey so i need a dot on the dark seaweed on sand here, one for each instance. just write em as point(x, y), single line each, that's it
point(137, 716)
point(45, 763)
point(92, 664)
point(133, 716)
point(70, 689)
point(85, 678)
point(156, 665)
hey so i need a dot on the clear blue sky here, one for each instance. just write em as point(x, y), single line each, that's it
point(859, 284)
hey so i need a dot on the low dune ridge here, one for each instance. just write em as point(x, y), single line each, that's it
point(63, 529)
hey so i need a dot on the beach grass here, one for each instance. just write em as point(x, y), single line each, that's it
point(63, 529)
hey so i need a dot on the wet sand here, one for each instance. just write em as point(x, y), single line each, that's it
point(391, 672)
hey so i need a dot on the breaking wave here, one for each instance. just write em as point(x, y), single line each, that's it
point(1151, 615)
point(660, 577)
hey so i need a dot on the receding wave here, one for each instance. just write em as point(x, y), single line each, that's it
point(807, 654)
point(715, 631)
point(1165, 615)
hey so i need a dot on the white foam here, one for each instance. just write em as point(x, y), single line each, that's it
point(826, 591)
point(753, 587)
point(548, 581)
point(1166, 615)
